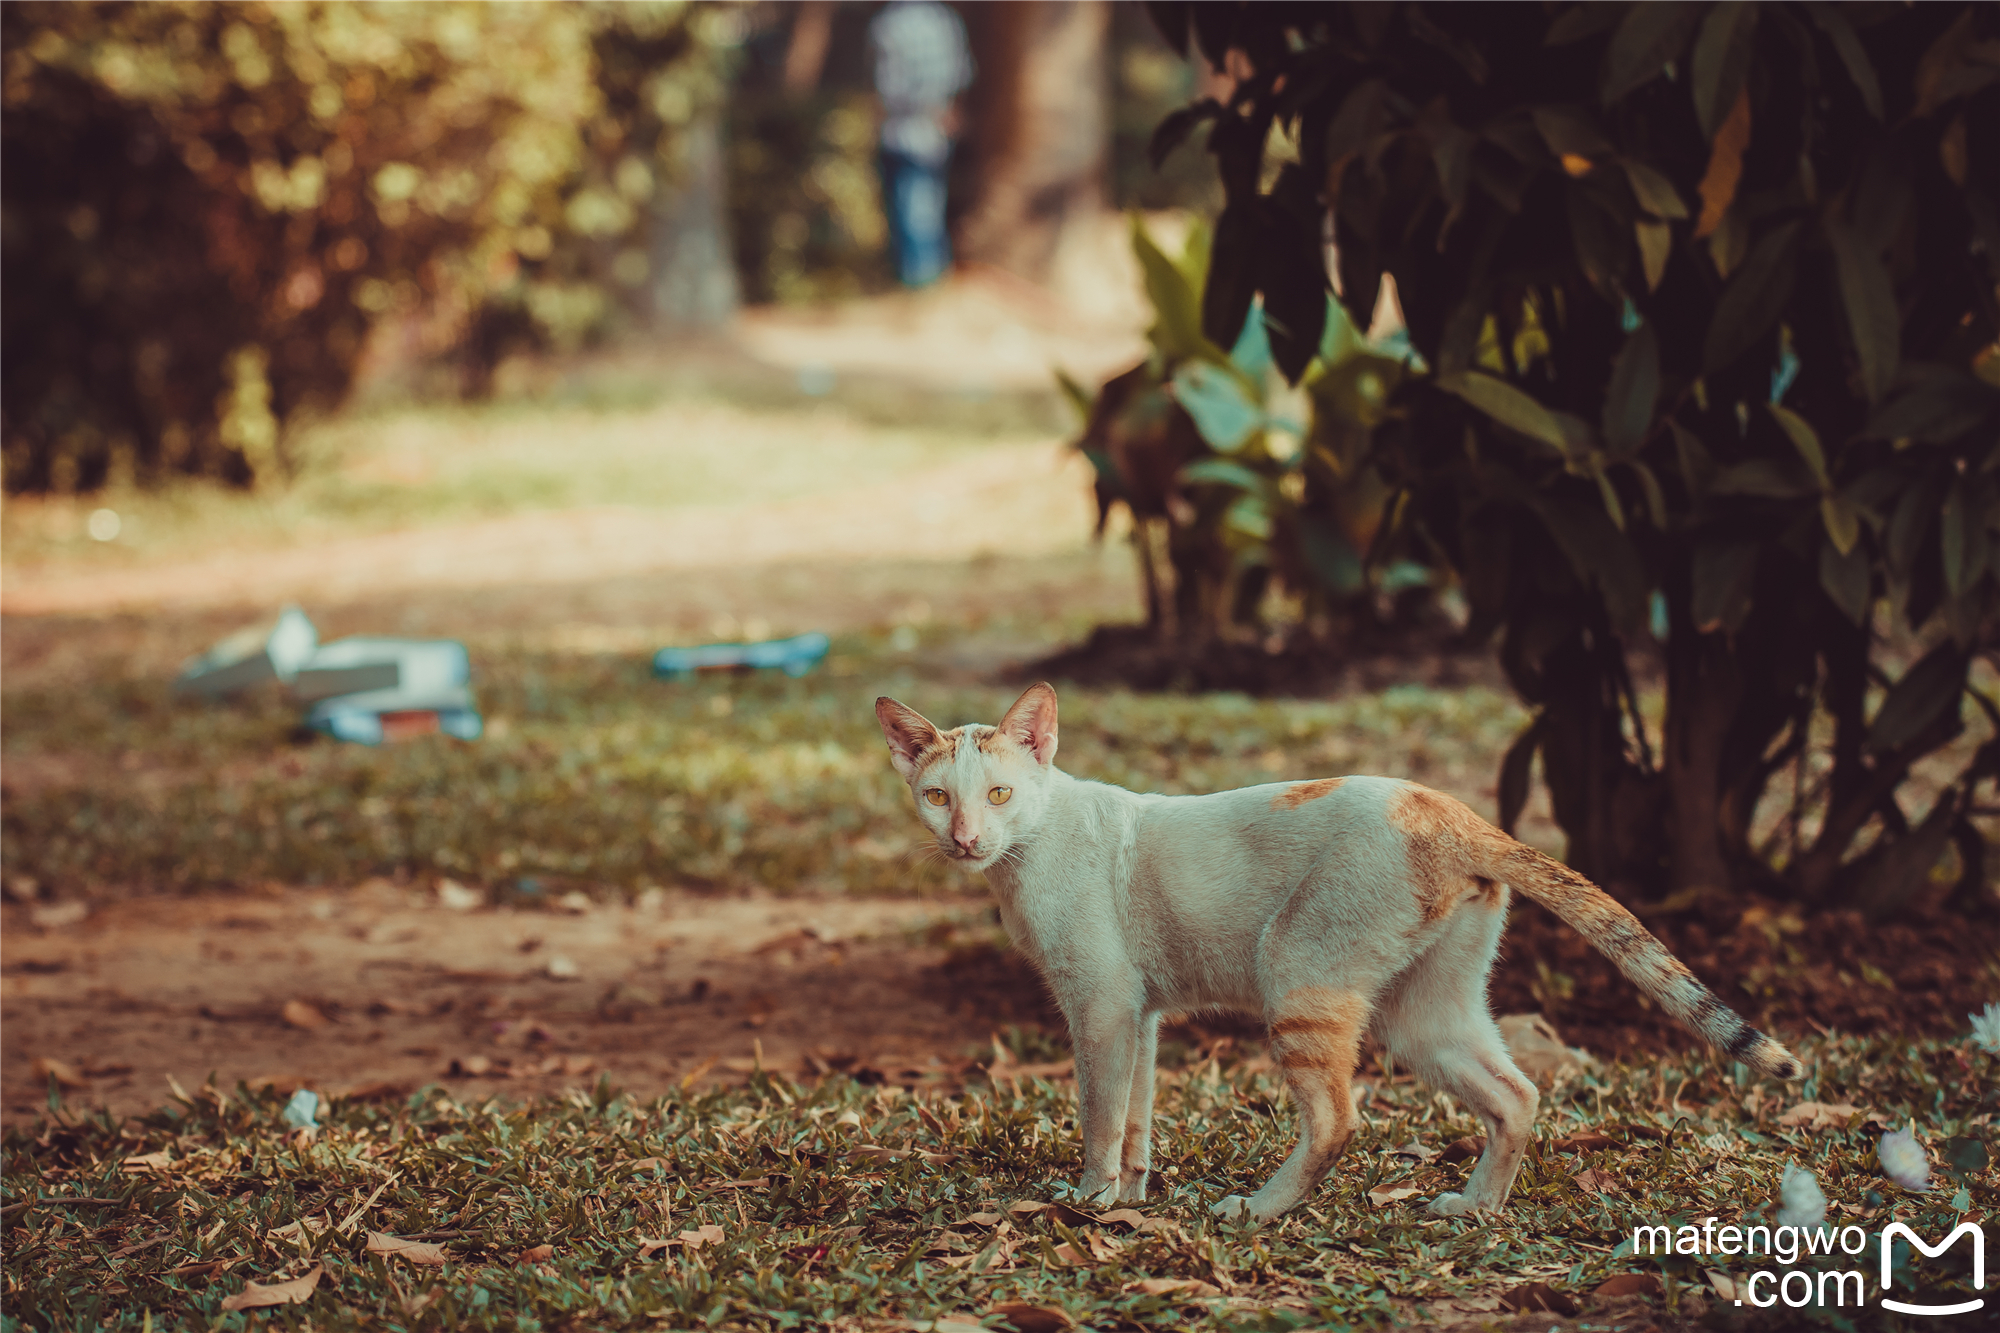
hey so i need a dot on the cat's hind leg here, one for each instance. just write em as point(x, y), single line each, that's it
point(1136, 1162)
point(1316, 1038)
point(1436, 1023)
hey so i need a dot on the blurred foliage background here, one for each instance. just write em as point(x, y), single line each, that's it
point(273, 185)
point(284, 198)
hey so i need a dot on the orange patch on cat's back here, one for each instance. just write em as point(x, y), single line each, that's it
point(1298, 793)
point(1439, 835)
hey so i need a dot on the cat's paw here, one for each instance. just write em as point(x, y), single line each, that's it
point(1088, 1193)
point(1232, 1206)
point(1451, 1205)
point(1132, 1189)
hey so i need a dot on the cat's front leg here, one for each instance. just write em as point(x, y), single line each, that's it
point(1107, 1041)
point(1136, 1160)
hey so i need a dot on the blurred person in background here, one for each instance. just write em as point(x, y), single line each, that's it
point(921, 66)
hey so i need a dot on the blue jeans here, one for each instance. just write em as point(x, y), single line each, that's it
point(913, 193)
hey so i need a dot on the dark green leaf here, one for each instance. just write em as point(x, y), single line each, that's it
point(1912, 520)
point(1750, 305)
point(1232, 274)
point(1634, 391)
point(1569, 129)
point(1451, 150)
point(1852, 54)
point(1223, 411)
point(1872, 318)
point(1926, 693)
point(1722, 60)
point(1655, 193)
point(1516, 770)
point(1843, 524)
point(1651, 35)
point(1770, 478)
point(1223, 472)
point(1846, 579)
point(1941, 406)
point(1330, 557)
point(1583, 20)
point(1603, 241)
point(1656, 240)
point(1656, 499)
point(1964, 560)
point(1507, 405)
point(1176, 328)
point(1724, 577)
point(1697, 465)
point(1178, 124)
point(1804, 439)
point(1357, 122)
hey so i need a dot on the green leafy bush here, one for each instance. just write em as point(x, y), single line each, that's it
point(1706, 300)
point(207, 207)
point(1238, 488)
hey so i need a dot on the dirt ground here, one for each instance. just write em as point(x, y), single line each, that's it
point(380, 989)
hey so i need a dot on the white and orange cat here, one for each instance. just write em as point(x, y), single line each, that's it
point(1333, 908)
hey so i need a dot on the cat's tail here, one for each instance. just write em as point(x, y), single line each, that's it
point(1617, 934)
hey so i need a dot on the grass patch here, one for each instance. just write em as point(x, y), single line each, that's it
point(867, 1205)
point(593, 773)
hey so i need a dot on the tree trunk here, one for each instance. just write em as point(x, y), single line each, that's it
point(1703, 690)
point(693, 278)
point(1040, 111)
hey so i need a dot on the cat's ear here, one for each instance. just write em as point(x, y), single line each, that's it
point(1031, 722)
point(908, 732)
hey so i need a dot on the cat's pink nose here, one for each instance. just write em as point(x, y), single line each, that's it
point(967, 842)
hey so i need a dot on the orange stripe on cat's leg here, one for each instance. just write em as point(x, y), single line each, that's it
point(1316, 1039)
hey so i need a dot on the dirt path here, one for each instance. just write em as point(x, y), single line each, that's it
point(381, 989)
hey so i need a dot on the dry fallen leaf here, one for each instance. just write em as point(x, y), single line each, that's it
point(1596, 1182)
point(535, 1254)
point(1538, 1048)
point(256, 1295)
point(1066, 1253)
point(1169, 1286)
point(1721, 1283)
point(64, 1073)
point(706, 1235)
point(1126, 1217)
point(1032, 1318)
point(986, 1219)
point(1632, 1284)
point(1533, 1296)
point(416, 1251)
point(152, 1161)
point(649, 1247)
point(646, 1164)
point(1587, 1141)
point(303, 1016)
point(1815, 1116)
point(1463, 1150)
point(1027, 1207)
point(1382, 1196)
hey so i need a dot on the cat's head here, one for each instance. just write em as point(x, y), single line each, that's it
point(979, 789)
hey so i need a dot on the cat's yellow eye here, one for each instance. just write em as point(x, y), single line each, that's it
point(999, 795)
point(936, 796)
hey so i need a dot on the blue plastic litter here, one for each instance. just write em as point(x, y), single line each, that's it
point(794, 656)
point(371, 690)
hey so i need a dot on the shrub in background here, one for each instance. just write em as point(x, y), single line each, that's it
point(208, 206)
point(1245, 497)
point(1706, 298)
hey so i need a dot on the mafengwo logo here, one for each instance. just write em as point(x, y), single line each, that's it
point(1798, 1269)
point(1895, 1229)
